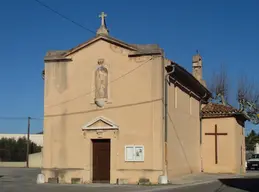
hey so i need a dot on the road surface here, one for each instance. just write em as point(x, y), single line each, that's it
point(224, 185)
point(16, 180)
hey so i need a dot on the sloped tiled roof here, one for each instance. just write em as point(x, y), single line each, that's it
point(219, 110)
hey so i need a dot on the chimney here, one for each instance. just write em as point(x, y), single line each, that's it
point(197, 68)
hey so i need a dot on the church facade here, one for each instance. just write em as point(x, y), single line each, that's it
point(118, 112)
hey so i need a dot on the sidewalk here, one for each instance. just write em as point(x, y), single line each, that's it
point(179, 182)
point(198, 179)
point(209, 177)
point(201, 178)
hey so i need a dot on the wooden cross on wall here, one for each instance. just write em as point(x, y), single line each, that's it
point(216, 134)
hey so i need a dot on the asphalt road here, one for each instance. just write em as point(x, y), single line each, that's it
point(231, 185)
point(224, 185)
point(16, 180)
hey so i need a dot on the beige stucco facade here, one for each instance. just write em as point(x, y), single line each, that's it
point(230, 147)
point(134, 105)
point(133, 114)
point(184, 133)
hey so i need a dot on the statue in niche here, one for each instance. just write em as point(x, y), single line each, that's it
point(101, 83)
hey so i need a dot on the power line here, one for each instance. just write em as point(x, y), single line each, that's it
point(39, 118)
point(13, 118)
point(18, 118)
point(68, 19)
point(104, 109)
point(63, 16)
point(88, 93)
point(78, 24)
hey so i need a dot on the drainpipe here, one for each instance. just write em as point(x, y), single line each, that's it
point(201, 99)
point(166, 119)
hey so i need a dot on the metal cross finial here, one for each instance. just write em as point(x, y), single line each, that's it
point(102, 16)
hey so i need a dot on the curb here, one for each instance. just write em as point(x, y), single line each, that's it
point(178, 186)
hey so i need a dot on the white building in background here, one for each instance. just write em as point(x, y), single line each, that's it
point(256, 148)
point(35, 138)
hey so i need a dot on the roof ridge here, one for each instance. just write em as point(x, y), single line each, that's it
point(220, 104)
point(138, 48)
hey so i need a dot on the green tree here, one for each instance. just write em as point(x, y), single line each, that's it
point(12, 150)
point(251, 139)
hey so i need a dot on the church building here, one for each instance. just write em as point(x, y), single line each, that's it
point(117, 113)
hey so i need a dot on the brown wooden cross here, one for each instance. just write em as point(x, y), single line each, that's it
point(216, 134)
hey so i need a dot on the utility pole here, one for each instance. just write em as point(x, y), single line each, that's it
point(28, 142)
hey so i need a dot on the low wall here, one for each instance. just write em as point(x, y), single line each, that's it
point(35, 160)
point(12, 164)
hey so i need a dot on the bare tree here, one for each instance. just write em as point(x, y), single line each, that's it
point(248, 95)
point(219, 86)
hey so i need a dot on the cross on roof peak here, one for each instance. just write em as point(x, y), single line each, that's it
point(103, 29)
point(102, 16)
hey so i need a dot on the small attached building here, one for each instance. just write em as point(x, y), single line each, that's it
point(223, 143)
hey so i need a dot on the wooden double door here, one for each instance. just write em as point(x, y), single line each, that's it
point(101, 160)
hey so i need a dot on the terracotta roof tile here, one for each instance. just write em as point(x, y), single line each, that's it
point(218, 110)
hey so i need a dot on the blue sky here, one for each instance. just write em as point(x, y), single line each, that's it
point(225, 32)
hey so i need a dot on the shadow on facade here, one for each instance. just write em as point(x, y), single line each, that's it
point(246, 184)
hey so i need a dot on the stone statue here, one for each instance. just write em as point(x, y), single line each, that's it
point(101, 83)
